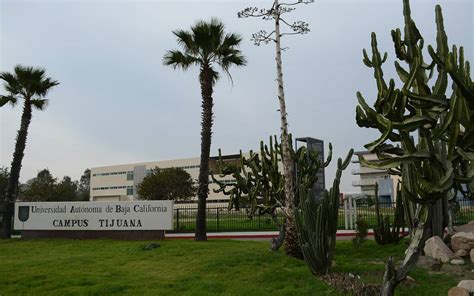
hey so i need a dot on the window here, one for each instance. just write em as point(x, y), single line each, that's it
point(129, 190)
point(129, 175)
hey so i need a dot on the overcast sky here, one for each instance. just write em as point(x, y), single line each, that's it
point(118, 104)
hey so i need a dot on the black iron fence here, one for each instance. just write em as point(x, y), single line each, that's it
point(219, 218)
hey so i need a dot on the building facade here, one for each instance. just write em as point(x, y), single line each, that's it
point(369, 177)
point(119, 182)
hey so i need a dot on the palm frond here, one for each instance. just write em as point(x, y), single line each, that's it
point(177, 59)
point(7, 99)
point(39, 104)
point(206, 43)
point(186, 41)
point(27, 81)
point(10, 83)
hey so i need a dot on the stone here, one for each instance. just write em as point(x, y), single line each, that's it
point(457, 261)
point(429, 263)
point(437, 249)
point(456, 291)
point(150, 247)
point(472, 255)
point(461, 253)
point(462, 241)
point(467, 284)
point(469, 227)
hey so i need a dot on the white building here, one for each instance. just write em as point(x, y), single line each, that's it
point(119, 182)
point(369, 177)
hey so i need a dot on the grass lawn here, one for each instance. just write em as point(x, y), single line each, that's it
point(178, 267)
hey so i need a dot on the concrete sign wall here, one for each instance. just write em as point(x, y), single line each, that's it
point(135, 215)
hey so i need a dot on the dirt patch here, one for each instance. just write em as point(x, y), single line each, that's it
point(351, 284)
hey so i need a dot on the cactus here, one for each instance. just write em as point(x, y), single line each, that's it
point(434, 132)
point(383, 233)
point(260, 183)
point(316, 220)
point(260, 179)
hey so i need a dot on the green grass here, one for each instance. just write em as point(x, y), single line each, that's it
point(178, 267)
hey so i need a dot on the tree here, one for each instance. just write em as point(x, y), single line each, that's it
point(31, 85)
point(41, 188)
point(4, 175)
point(83, 190)
point(66, 190)
point(298, 27)
point(426, 135)
point(167, 184)
point(205, 46)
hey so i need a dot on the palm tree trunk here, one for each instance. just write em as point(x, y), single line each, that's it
point(292, 247)
point(12, 187)
point(205, 78)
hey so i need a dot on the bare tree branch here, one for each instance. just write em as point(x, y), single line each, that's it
point(262, 36)
point(298, 2)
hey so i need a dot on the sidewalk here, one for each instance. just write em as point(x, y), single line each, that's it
point(257, 235)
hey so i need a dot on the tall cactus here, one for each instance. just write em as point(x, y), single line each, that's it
point(434, 132)
point(260, 182)
point(316, 220)
point(385, 232)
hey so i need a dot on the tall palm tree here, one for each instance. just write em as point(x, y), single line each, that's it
point(205, 46)
point(31, 85)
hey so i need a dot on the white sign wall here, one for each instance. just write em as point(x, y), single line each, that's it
point(124, 215)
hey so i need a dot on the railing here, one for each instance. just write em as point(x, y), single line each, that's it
point(465, 212)
point(219, 218)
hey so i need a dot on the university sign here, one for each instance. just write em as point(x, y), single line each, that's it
point(94, 216)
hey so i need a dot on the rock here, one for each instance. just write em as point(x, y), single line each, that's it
point(462, 241)
point(457, 261)
point(461, 253)
point(150, 247)
point(469, 227)
point(429, 263)
point(467, 284)
point(456, 291)
point(472, 256)
point(437, 249)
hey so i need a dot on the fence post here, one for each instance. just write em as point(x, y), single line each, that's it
point(177, 220)
point(217, 219)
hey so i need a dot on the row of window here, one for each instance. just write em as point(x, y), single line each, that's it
point(129, 188)
point(148, 172)
point(112, 174)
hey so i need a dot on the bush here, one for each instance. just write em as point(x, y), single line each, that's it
point(362, 229)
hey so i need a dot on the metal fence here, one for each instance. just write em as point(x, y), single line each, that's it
point(219, 218)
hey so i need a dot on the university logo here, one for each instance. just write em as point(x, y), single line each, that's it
point(23, 213)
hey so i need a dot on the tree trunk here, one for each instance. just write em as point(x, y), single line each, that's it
point(12, 187)
point(205, 78)
point(291, 242)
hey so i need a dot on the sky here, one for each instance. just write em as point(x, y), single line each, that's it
point(117, 103)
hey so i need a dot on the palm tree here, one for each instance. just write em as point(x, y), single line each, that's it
point(31, 85)
point(205, 46)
